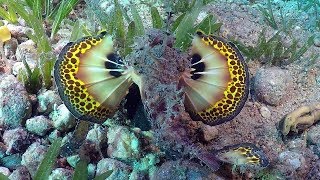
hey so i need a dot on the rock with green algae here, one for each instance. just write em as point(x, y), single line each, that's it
point(33, 157)
point(15, 105)
point(122, 143)
point(61, 174)
point(73, 160)
point(39, 125)
point(97, 134)
point(119, 169)
point(62, 119)
point(47, 100)
point(145, 166)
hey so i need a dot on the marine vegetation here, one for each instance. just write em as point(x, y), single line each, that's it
point(210, 84)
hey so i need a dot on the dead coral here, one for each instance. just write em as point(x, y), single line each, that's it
point(300, 119)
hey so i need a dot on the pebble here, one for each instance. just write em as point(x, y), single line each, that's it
point(39, 125)
point(16, 140)
point(10, 48)
point(97, 135)
point(316, 41)
point(91, 170)
point(21, 173)
point(61, 174)
point(271, 85)
point(33, 157)
point(12, 162)
point(27, 51)
point(5, 171)
point(292, 159)
point(73, 160)
point(15, 105)
point(209, 132)
point(62, 119)
point(265, 112)
point(181, 168)
point(119, 169)
point(313, 135)
point(3, 150)
point(18, 31)
point(47, 100)
point(122, 144)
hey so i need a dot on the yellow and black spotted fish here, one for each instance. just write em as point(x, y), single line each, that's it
point(245, 154)
point(91, 79)
point(217, 85)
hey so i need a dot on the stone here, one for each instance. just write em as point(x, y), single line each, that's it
point(316, 41)
point(33, 157)
point(209, 132)
point(12, 162)
point(5, 171)
point(119, 169)
point(61, 174)
point(28, 52)
point(265, 112)
point(47, 100)
point(10, 48)
point(313, 135)
point(39, 125)
point(18, 31)
point(15, 105)
point(271, 85)
point(181, 169)
point(97, 134)
point(21, 173)
point(73, 160)
point(292, 159)
point(122, 144)
point(62, 119)
point(16, 140)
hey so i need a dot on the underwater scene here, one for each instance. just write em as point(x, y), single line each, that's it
point(159, 89)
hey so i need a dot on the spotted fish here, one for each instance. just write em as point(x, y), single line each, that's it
point(91, 79)
point(243, 154)
point(217, 85)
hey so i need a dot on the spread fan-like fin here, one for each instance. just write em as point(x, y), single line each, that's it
point(217, 85)
point(91, 79)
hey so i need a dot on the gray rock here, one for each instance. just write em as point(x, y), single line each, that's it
point(265, 112)
point(122, 144)
point(15, 106)
point(97, 135)
point(316, 41)
point(47, 100)
point(18, 31)
point(11, 162)
point(314, 173)
point(39, 125)
point(292, 160)
point(91, 170)
point(10, 47)
point(54, 135)
point(62, 119)
point(73, 160)
point(3, 150)
point(61, 174)
point(314, 135)
point(120, 169)
point(28, 52)
point(271, 85)
point(209, 132)
point(181, 169)
point(16, 140)
point(5, 171)
point(21, 173)
point(33, 156)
